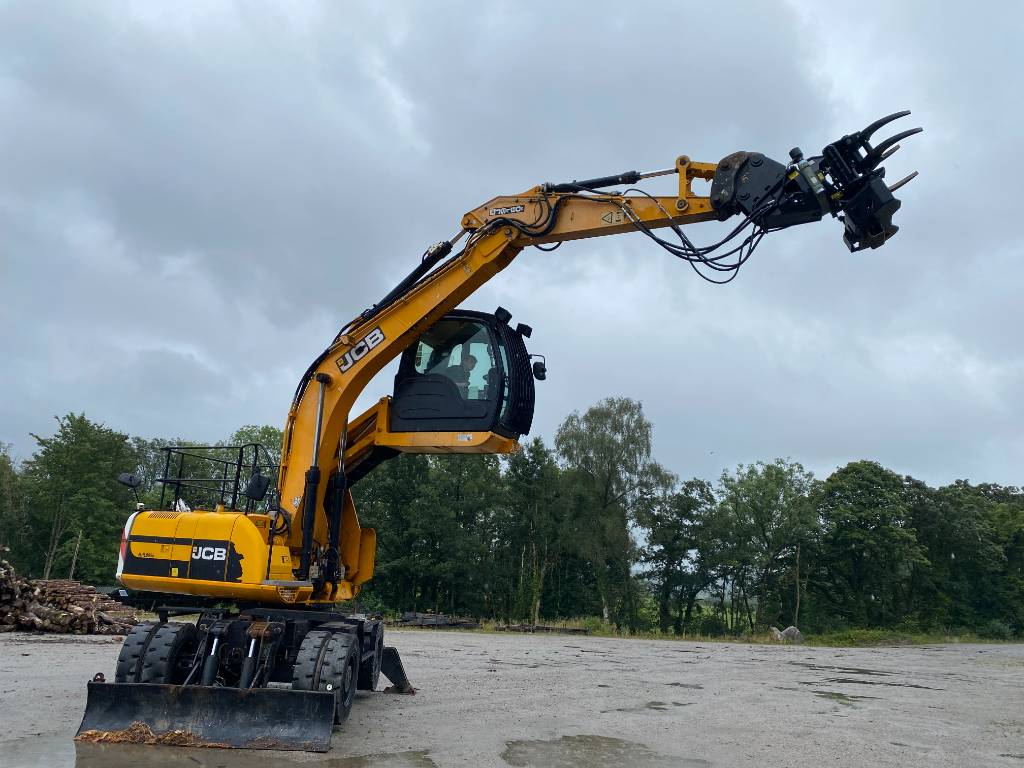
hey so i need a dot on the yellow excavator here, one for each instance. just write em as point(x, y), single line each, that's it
point(272, 662)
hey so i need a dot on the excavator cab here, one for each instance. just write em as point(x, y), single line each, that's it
point(470, 372)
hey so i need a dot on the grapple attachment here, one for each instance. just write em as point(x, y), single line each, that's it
point(853, 171)
point(846, 180)
point(204, 716)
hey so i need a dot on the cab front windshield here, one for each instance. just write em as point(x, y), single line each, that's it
point(462, 352)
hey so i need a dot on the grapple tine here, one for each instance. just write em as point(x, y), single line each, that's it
point(888, 153)
point(874, 157)
point(866, 133)
point(905, 180)
point(203, 716)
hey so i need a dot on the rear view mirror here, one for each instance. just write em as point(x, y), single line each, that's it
point(257, 487)
point(540, 371)
point(127, 478)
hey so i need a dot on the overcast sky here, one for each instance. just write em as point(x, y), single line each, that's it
point(194, 197)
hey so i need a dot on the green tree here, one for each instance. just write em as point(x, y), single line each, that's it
point(968, 533)
point(466, 496)
point(266, 435)
point(607, 453)
point(536, 521)
point(767, 523)
point(676, 527)
point(1007, 521)
point(73, 500)
point(869, 549)
point(13, 526)
point(391, 499)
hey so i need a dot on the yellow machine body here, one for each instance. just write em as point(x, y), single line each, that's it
point(227, 554)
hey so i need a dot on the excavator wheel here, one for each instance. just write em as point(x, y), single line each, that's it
point(133, 652)
point(171, 645)
point(369, 673)
point(339, 672)
point(307, 660)
point(329, 662)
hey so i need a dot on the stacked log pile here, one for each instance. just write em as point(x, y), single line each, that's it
point(533, 628)
point(59, 606)
point(434, 620)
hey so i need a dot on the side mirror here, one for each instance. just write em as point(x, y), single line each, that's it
point(540, 371)
point(127, 478)
point(256, 489)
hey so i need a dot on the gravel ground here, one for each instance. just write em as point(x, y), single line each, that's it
point(498, 700)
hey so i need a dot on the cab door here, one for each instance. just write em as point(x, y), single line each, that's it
point(468, 373)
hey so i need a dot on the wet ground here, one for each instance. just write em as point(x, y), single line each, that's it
point(511, 700)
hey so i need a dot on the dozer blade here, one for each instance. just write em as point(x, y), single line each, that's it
point(200, 716)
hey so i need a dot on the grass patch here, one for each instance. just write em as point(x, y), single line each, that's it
point(868, 638)
point(848, 638)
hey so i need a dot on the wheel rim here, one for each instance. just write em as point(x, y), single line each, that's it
point(350, 678)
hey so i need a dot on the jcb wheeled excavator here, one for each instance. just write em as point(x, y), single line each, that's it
point(281, 665)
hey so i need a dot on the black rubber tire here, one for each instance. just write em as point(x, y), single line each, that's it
point(329, 662)
point(133, 651)
point(307, 661)
point(170, 645)
point(339, 672)
point(369, 673)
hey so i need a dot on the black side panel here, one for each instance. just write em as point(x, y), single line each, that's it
point(433, 404)
point(214, 560)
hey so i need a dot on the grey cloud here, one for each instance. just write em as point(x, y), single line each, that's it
point(194, 199)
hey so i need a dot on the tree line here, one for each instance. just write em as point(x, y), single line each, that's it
point(593, 526)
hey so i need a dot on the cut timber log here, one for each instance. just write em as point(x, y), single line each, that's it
point(59, 605)
point(530, 628)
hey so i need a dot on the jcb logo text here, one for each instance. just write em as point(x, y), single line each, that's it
point(359, 351)
point(209, 553)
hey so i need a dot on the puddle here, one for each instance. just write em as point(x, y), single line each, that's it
point(650, 706)
point(847, 670)
point(58, 751)
point(38, 752)
point(852, 681)
point(586, 751)
point(845, 699)
point(385, 760)
point(527, 665)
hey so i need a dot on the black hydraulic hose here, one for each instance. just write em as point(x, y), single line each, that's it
point(308, 516)
point(430, 258)
point(427, 262)
point(629, 177)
